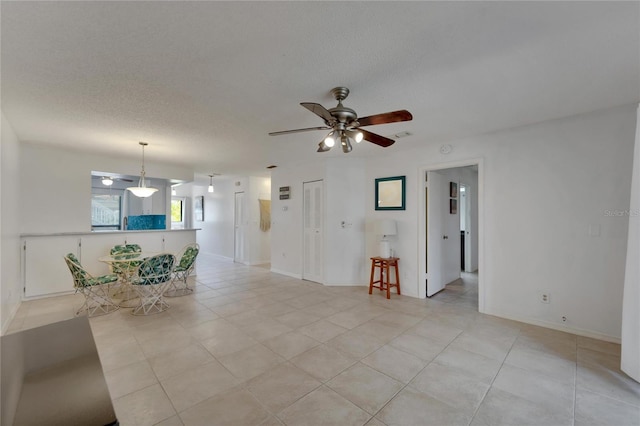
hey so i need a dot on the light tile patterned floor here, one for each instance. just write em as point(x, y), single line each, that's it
point(250, 347)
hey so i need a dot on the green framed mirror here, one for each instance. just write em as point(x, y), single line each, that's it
point(391, 193)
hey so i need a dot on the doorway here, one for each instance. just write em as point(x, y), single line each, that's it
point(467, 215)
point(238, 228)
point(451, 203)
point(313, 259)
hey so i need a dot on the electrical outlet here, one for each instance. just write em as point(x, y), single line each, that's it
point(545, 298)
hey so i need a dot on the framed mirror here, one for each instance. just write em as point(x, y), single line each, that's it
point(390, 193)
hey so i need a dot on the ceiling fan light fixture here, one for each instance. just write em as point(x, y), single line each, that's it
point(340, 120)
point(346, 145)
point(356, 135)
point(322, 147)
point(329, 141)
point(107, 181)
point(142, 190)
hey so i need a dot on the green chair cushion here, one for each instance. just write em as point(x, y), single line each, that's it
point(188, 258)
point(155, 270)
point(104, 279)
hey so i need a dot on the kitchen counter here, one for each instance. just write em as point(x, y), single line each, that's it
point(133, 231)
point(42, 255)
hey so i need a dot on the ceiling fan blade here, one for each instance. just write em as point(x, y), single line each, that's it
point(319, 110)
point(377, 139)
point(387, 117)
point(308, 129)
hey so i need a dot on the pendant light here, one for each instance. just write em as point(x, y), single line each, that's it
point(211, 189)
point(142, 190)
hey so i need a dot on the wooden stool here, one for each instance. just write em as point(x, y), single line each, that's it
point(383, 264)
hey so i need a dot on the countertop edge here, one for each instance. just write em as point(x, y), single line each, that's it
point(67, 234)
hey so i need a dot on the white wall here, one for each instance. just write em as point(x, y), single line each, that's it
point(544, 187)
point(344, 196)
point(58, 184)
point(217, 231)
point(286, 216)
point(543, 195)
point(11, 283)
point(560, 177)
point(404, 244)
point(216, 234)
point(345, 188)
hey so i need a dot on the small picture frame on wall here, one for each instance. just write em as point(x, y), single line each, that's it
point(453, 189)
point(285, 192)
point(453, 206)
point(198, 208)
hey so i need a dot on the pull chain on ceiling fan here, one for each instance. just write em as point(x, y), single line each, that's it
point(344, 124)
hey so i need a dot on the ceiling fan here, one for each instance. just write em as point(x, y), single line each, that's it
point(344, 123)
point(108, 180)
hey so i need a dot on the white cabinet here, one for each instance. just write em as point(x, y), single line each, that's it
point(96, 245)
point(148, 241)
point(175, 242)
point(46, 273)
point(45, 270)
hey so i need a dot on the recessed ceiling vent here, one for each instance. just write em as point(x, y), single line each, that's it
point(401, 135)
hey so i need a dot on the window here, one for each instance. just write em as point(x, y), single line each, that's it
point(105, 211)
point(177, 213)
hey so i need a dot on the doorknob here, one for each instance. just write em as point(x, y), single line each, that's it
point(445, 237)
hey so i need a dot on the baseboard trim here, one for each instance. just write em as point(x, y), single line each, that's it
point(288, 274)
point(346, 285)
point(554, 326)
point(10, 318)
point(218, 256)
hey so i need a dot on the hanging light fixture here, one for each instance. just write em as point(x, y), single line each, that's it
point(329, 141)
point(346, 145)
point(345, 136)
point(356, 135)
point(107, 181)
point(211, 188)
point(142, 190)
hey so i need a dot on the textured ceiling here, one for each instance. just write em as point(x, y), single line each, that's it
point(204, 82)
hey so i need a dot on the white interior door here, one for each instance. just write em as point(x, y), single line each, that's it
point(313, 261)
point(436, 210)
point(466, 212)
point(239, 228)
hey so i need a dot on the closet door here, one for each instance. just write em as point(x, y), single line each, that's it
point(313, 259)
point(239, 228)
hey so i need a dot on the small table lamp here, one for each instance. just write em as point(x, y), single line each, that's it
point(385, 227)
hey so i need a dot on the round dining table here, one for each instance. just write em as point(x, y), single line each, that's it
point(125, 266)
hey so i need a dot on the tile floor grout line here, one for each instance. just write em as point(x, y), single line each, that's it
point(494, 378)
point(416, 375)
point(246, 281)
